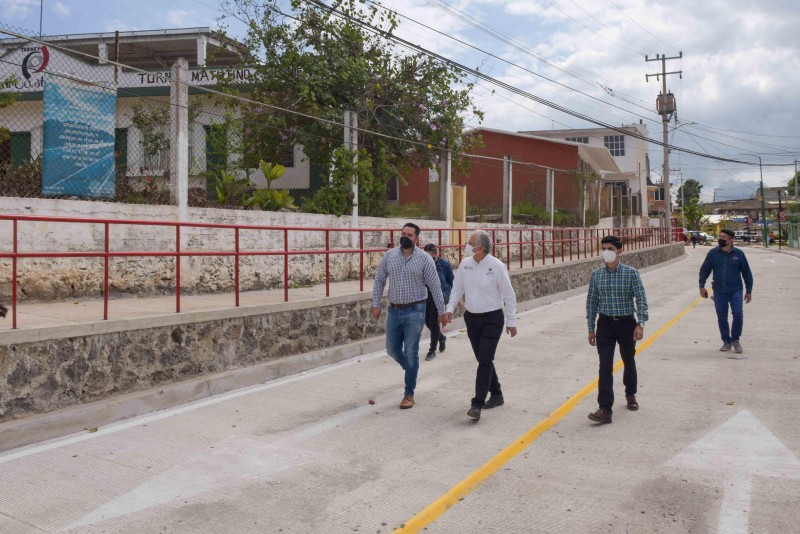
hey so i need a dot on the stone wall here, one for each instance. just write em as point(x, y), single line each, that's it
point(41, 376)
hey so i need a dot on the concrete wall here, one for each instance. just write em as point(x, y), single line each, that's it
point(39, 375)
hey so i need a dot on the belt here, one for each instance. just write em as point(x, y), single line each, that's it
point(616, 317)
point(403, 306)
point(484, 313)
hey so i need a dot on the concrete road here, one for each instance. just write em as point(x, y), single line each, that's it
point(714, 447)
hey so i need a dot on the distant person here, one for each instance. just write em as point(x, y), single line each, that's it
point(729, 266)
point(409, 270)
point(445, 273)
point(617, 295)
point(490, 301)
point(694, 239)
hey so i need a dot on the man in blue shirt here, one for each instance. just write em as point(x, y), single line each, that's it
point(412, 272)
point(729, 266)
point(445, 272)
point(617, 294)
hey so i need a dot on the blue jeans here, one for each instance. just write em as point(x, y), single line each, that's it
point(722, 301)
point(403, 330)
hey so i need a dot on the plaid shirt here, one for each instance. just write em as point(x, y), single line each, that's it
point(613, 293)
point(409, 278)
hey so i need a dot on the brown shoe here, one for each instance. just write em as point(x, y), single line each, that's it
point(407, 402)
point(632, 404)
point(602, 416)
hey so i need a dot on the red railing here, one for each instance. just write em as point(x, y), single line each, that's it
point(563, 242)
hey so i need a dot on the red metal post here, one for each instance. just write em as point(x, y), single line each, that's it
point(327, 263)
point(236, 267)
point(105, 275)
point(533, 248)
point(361, 260)
point(286, 265)
point(177, 268)
point(14, 281)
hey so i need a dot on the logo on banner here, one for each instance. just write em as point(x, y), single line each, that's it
point(35, 62)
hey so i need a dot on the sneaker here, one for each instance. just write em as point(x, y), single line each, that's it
point(632, 404)
point(442, 342)
point(726, 347)
point(494, 400)
point(602, 416)
point(474, 413)
point(737, 347)
point(431, 355)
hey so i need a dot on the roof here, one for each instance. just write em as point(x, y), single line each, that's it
point(150, 49)
point(598, 157)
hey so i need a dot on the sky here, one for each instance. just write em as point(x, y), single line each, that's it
point(737, 96)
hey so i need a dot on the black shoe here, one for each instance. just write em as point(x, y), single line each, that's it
point(431, 355)
point(602, 416)
point(474, 413)
point(494, 400)
point(4, 311)
point(442, 341)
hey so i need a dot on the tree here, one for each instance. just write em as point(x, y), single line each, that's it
point(694, 214)
point(690, 190)
point(795, 177)
point(322, 63)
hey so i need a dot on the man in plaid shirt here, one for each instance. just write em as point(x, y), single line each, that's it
point(412, 273)
point(615, 293)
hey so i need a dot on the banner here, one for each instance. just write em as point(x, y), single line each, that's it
point(78, 155)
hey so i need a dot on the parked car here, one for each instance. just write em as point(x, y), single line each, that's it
point(701, 237)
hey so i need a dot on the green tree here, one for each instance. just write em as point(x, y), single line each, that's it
point(690, 190)
point(311, 61)
point(795, 177)
point(694, 214)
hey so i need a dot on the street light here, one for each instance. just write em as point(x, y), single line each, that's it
point(763, 208)
point(780, 215)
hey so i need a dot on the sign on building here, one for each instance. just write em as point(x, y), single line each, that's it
point(78, 155)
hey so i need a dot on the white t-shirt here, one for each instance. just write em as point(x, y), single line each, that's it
point(485, 287)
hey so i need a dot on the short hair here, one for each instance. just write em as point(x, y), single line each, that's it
point(612, 239)
point(414, 226)
point(483, 240)
point(430, 247)
point(729, 232)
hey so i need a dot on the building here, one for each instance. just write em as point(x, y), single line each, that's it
point(141, 114)
point(630, 153)
point(574, 191)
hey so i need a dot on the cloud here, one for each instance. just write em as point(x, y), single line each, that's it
point(61, 9)
point(17, 9)
point(182, 18)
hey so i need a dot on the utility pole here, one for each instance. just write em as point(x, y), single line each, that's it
point(763, 208)
point(665, 105)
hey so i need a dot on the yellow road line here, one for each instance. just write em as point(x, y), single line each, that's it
point(466, 486)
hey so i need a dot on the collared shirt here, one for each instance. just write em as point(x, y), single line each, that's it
point(729, 268)
point(614, 292)
point(408, 277)
point(485, 287)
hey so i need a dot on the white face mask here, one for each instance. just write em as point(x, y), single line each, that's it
point(468, 249)
point(609, 256)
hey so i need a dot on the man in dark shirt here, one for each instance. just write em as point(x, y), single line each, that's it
point(729, 266)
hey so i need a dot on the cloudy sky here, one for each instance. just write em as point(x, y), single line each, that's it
point(738, 96)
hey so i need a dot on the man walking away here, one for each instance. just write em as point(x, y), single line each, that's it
point(409, 270)
point(483, 281)
point(616, 293)
point(445, 273)
point(729, 266)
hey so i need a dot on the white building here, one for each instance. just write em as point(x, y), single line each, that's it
point(25, 64)
point(629, 152)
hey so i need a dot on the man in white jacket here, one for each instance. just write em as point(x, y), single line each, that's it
point(490, 301)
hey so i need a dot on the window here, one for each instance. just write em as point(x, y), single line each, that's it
point(15, 149)
point(615, 144)
point(584, 140)
point(659, 194)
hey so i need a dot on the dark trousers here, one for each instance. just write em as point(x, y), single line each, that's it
point(609, 333)
point(734, 301)
point(484, 331)
point(432, 322)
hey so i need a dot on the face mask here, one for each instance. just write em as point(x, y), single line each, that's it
point(468, 249)
point(406, 243)
point(609, 256)
point(722, 242)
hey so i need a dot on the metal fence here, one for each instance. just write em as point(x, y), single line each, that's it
point(526, 245)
